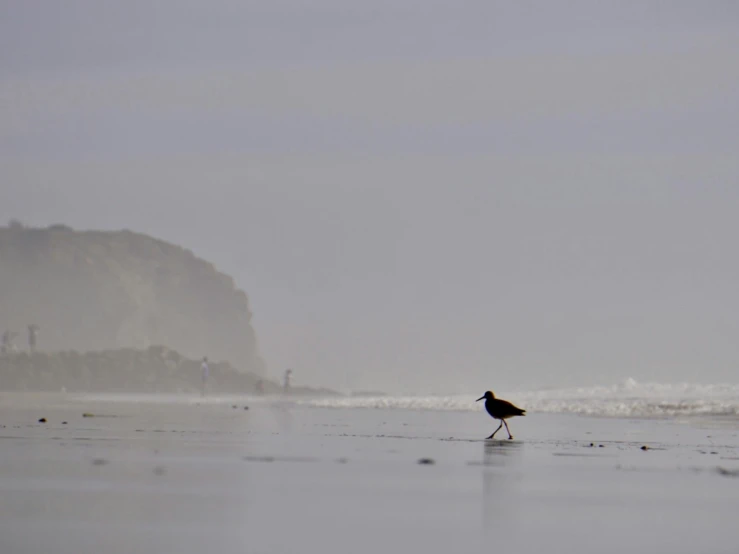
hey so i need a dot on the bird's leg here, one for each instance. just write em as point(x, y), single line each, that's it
point(510, 437)
point(498, 429)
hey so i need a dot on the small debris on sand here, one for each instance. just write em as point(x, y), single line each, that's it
point(258, 459)
point(160, 470)
point(426, 462)
point(246, 407)
point(645, 447)
point(64, 422)
point(234, 407)
point(87, 414)
point(42, 420)
point(727, 472)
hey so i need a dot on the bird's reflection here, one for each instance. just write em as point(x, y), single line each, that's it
point(500, 453)
point(501, 462)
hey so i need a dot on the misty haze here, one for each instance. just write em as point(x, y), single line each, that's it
point(271, 240)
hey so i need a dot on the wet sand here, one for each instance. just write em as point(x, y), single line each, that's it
point(191, 477)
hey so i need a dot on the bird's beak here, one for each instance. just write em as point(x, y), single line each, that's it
point(483, 396)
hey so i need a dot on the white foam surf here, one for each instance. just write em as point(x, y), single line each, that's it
point(627, 399)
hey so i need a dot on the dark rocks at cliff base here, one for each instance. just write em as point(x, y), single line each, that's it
point(154, 370)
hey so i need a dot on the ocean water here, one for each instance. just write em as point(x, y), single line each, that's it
point(627, 399)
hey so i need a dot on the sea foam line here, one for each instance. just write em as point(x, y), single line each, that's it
point(627, 399)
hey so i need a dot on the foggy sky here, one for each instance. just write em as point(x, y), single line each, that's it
point(418, 196)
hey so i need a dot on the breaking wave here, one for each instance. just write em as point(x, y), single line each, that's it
point(627, 399)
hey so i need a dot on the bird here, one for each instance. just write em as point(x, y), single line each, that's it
point(500, 409)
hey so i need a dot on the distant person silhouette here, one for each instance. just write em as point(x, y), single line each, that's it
point(286, 382)
point(205, 371)
point(32, 336)
point(6, 342)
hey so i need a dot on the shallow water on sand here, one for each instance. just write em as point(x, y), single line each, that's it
point(281, 477)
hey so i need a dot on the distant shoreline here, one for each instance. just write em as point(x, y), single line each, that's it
point(156, 370)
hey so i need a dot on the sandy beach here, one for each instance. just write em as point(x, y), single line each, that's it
point(190, 476)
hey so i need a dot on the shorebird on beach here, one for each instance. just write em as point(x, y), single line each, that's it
point(500, 409)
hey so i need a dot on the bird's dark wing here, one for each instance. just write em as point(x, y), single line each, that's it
point(508, 408)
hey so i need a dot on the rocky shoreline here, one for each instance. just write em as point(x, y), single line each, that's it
point(154, 370)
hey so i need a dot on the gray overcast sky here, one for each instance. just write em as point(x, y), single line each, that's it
point(420, 196)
